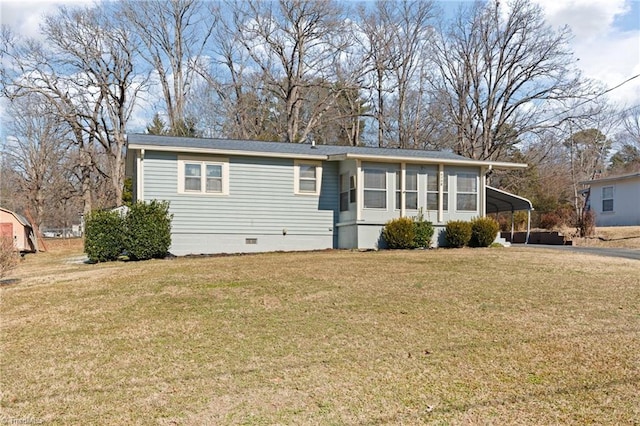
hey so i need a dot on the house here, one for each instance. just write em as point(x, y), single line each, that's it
point(615, 200)
point(230, 196)
point(18, 229)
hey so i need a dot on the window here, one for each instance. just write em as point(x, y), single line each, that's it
point(192, 177)
point(467, 192)
point(352, 189)
point(375, 189)
point(410, 190)
point(200, 176)
point(344, 192)
point(307, 177)
point(214, 177)
point(433, 192)
point(607, 199)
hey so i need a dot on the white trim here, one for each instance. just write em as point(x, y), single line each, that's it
point(403, 188)
point(482, 191)
point(296, 176)
point(227, 152)
point(334, 157)
point(610, 179)
point(203, 161)
point(421, 160)
point(440, 183)
point(140, 175)
point(359, 190)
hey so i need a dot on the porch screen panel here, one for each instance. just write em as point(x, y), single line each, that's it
point(375, 189)
point(411, 190)
point(432, 191)
point(467, 192)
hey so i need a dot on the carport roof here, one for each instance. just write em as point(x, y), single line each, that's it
point(502, 201)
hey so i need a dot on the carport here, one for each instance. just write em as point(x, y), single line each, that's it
point(499, 201)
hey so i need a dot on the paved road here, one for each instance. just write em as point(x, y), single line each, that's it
point(600, 251)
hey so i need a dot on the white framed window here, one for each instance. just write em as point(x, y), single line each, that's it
point(307, 177)
point(607, 199)
point(375, 188)
point(205, 176)
point(433, 191)
point(466, 192)
point(344, 192)
point(410, 189)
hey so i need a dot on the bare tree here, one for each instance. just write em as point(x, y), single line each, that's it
point(101, 52)
point(296, 45)
point(35, 152)
point(175, 34)
point(500, 68)
point(30, 68)
point(397, 37)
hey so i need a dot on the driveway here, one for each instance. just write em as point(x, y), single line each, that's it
point(600, 251)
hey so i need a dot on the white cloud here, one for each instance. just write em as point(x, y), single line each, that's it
point(607, 52)
point(587, 18)
point(25, 16)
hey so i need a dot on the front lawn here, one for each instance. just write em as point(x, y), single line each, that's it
point(468, 336)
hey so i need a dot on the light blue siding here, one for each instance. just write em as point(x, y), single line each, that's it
point(261, 204)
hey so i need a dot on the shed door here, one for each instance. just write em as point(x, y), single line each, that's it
point(6, 230)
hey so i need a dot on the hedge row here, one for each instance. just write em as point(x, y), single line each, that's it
point(408, 233)
point(480, 232)
point(144, 232)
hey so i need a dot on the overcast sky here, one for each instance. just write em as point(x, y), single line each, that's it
point(606, 35)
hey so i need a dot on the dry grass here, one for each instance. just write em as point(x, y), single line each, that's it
point(612, 237)
point(483, 336)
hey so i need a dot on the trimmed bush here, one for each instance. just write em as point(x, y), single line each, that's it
point(423, 232)
point(399, 233)
point(104, 236)
point(148, 230)
point(483, 231)
point(458, 233)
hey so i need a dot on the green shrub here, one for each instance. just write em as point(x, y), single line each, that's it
point(423, 232)
point(399, 233)
point(483, 231)
point(458, 233)
point(148, 230)
point(104, 236)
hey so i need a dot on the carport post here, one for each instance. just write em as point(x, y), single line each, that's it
point(528, 226)
point(511, 227)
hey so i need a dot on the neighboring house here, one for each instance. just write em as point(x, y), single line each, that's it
point(230, 196)
point(615, 200)
point(18, 229)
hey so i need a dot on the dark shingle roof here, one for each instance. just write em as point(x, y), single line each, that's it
point(284, 148)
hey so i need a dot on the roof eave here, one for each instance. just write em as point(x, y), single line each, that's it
point(423, 160)
point(610, 179)
point(214, 151)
